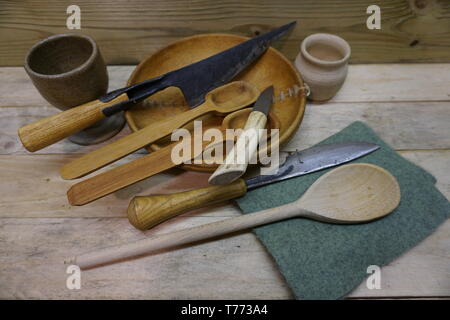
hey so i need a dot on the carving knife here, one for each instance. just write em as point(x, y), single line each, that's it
point(145, 212)
point(247, 143)
point(194, 80)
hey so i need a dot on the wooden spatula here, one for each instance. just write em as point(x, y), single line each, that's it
point(131, 172)
point(352, 193)
point(226, 99)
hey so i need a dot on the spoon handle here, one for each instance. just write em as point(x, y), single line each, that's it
point(186, 236)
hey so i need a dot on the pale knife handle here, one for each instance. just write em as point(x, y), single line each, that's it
point(146, 212)
point(246, 145)
point(186, 236)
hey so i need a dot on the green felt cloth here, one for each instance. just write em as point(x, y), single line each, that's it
point(326, 261)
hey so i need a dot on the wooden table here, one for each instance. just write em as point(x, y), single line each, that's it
point(408, 105)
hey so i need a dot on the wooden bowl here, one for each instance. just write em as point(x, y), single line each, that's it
point(270, 69)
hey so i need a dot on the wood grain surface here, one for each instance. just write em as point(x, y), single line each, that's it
point(128, 31)
point(407, 105)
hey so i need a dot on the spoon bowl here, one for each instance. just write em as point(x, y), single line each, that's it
point(237, 120)
point(231, 97)
point(352, 193)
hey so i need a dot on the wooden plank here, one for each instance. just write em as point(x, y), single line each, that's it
point(234, 267)
point(32, 188)
point(364, 83)
point(404, 125)
point(398, 123)
point(127, 31)
point(41, 228)
point(395, 82)
point(17, 90)
point(31, 266)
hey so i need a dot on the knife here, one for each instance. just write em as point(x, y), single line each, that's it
point(145, 212)
point(194, 80)
point(247, 143)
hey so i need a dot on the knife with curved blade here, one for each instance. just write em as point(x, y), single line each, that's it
point(194, 80)
point(145, 212)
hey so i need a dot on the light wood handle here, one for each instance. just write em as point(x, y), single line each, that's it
point(245, 148)
point(44, 132)
point(146, 212)
point(186, 236)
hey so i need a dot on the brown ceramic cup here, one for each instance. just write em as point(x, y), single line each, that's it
point(68, 70)
point(323, 64)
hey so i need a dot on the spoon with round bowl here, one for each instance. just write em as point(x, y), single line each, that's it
point(352, 193)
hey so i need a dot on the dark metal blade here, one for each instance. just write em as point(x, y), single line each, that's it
point(264, 101)
point(315, 159)
point(197, 79)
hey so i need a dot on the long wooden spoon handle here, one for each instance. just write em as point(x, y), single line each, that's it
point(206, 231)
point(146, 212)
point(129, 144)
point(237, 159)
point(44, 132)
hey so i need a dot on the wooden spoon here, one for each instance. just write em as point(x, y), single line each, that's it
point(228, 98)
point(352, 193)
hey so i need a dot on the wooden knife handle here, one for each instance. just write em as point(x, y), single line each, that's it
point(44, 132)
point(246, 145)
point(146, 212)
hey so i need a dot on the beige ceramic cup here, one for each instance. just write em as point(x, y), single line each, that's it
point(68, 70)
point(323, 64)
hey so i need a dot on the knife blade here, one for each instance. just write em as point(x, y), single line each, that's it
point(194, 80)
point(147, 211)
point(197, 79)
point(236, 161)
point(314, 159)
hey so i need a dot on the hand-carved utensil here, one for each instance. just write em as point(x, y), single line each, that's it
point(353, 193)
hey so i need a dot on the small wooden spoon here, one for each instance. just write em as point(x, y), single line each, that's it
point(223, 100)
point(352, 193)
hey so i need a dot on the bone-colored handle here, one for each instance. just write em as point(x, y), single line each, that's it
point(47, 131)
point(237, 159)
point(146, 212)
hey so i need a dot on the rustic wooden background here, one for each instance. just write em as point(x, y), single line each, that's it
point(128, 31)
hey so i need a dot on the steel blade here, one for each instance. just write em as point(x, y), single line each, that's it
point(314, 159)
point(264, 101)
point(197, 79)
